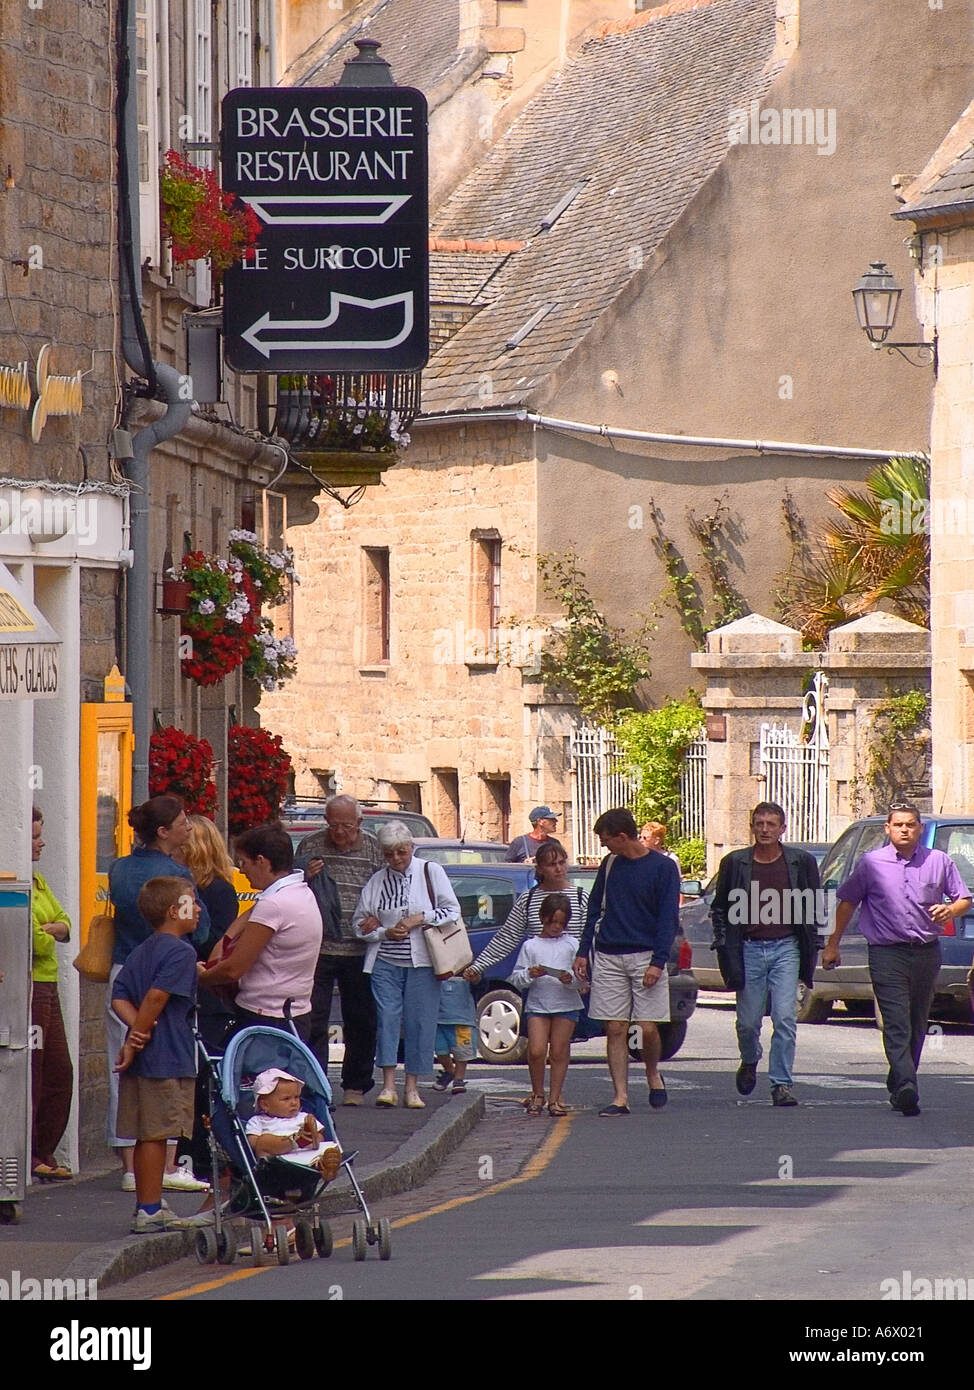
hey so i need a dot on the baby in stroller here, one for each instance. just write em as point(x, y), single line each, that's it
point(280, 1128)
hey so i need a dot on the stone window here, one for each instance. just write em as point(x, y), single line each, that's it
point(485, 614)
point(496, 812)
point(445, 809)
point(273, 532)
point(375, 606)
point(146, 82)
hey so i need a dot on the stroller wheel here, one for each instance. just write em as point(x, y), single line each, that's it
point(385, 1239)
point(281, 1245)
point(360, 1240)
point(226, 1245)
point(257, 1234)
point(205, 1245)
point(304, 1240)
point(324, 1240)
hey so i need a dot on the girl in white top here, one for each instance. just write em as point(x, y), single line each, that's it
point(544, 968)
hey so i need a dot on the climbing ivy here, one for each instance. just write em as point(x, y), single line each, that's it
point(685, 589)
point(597, 664)
point(895, 719)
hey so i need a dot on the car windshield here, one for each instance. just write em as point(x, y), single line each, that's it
point(463, 854)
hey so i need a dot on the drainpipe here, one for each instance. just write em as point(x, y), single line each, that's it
point(159, 378)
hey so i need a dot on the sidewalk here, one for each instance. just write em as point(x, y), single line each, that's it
point(80, 1229)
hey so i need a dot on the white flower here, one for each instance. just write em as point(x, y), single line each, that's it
point(276, 560)
point(248, 536)
point(207, 606)
point(269, 683)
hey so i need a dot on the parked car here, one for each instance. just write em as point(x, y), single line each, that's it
point(311, 810)
point(447, 851)
point(486, 893)
point(850, 981)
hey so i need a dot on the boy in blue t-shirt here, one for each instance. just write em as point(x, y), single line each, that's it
point(455, 1045)
point(154, 995)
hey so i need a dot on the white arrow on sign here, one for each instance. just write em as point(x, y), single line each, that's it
point(254, 335)
point(384, 208)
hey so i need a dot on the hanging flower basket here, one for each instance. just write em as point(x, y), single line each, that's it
point(222, 619)
point(257, 777)
point(270, 571)
point(201, 221)
point(182, 765)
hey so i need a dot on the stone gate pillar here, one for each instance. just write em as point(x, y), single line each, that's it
point(754, 668)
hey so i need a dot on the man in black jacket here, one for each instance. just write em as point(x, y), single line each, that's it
point(767, 910)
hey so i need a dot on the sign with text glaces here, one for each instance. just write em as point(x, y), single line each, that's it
point(339, 280)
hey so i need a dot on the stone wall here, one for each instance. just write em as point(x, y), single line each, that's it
point(754, 671)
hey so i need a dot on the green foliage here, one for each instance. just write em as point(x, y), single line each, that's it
point(692, 855)
point(597, 664)
point(878, 548)
point(654, 742)
point(894, 721)
point(686, 591)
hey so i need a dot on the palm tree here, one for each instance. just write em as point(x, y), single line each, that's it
point(878, 553)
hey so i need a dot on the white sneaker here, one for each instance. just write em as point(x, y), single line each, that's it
point(182, 1181)
point(128, 1182)
point(413, 1100)
point(387, 1098)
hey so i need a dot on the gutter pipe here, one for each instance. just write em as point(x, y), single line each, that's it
point(159, 377)
point(759, 446)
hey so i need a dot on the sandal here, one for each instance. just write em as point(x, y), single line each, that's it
point(535, 1105)
point(528, 1101)
point(558, 1108)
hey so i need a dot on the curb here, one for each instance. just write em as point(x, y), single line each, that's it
point(408, 1166)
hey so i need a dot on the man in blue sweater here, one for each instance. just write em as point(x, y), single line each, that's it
point(632, 920)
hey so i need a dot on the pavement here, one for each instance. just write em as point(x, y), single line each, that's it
point(79, 1229)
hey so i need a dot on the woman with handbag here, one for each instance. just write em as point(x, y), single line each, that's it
point(52, 1077)
point(162, 828)
point(396, 904)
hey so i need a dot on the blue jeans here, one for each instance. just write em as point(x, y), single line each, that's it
point(407, 999)
point(770, 967)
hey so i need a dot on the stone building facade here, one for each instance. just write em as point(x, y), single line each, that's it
point(939, 206)
point(563, 317)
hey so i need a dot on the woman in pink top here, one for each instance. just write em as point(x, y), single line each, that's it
point(271, 954)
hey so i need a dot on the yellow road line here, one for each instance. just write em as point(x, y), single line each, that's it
point(532, 1169)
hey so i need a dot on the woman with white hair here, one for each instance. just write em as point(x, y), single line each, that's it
point(395, 905)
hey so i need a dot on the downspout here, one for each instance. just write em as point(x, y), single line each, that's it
point(159, 378)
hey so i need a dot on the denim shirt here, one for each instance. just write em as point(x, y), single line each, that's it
point(126, 879)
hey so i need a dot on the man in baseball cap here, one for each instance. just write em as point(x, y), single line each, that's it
point(543, 821)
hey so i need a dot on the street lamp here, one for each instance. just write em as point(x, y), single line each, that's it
point(877, 298)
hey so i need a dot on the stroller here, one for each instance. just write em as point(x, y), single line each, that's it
point(263, 1189)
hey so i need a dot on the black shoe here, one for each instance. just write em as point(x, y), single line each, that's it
point(905, 1099)
point(747, 1077)
point(781, 1095)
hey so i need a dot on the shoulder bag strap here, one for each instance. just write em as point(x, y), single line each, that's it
point(605, 899)
point(429, 883)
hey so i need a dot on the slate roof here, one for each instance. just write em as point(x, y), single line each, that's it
point(946, 185)
point(639, 118)
point(463, 277)
point(420, 39)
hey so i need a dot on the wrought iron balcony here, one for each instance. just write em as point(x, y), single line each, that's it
point(347, 426)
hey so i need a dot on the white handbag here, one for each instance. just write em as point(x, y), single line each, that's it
point(447, 943)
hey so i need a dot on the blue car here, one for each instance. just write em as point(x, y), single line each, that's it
point(486, 893)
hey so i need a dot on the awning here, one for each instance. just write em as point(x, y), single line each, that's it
point(30, 649)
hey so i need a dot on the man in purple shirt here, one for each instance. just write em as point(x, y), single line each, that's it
point(907, 893)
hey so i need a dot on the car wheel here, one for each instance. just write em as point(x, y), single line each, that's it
point(671, 1036)
point(499, 1027)
point(811, 1008)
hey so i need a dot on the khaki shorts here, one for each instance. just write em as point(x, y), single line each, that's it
point(618, 991)
point(152, 1108)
